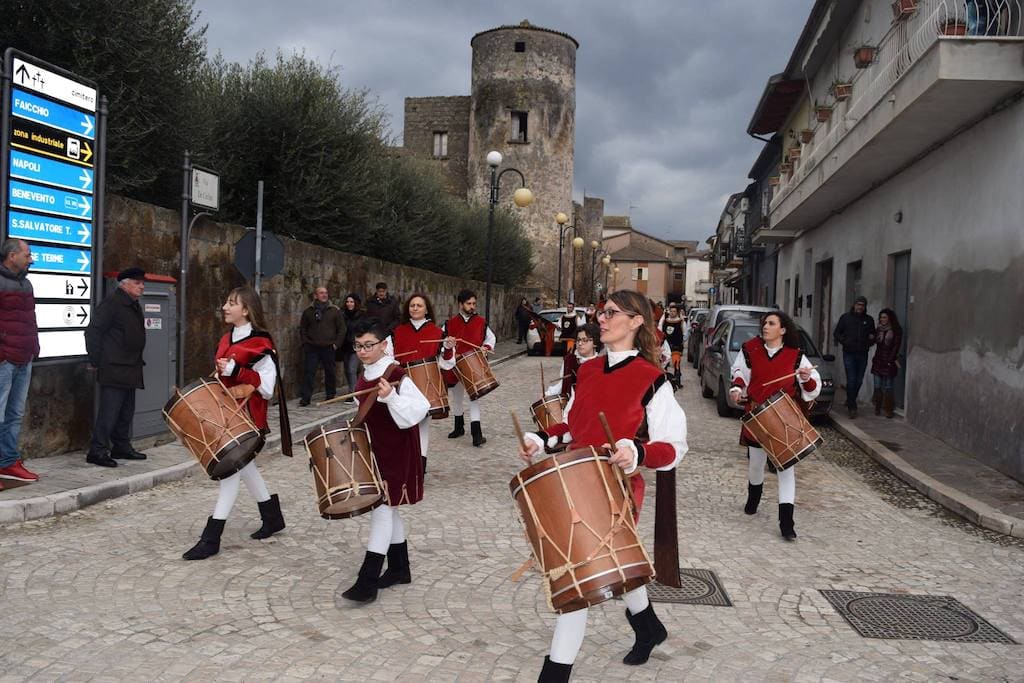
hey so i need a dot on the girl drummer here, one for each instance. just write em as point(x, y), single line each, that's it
point(392, 416)
point(629, 386)
point(407, 344)
point(247, 364)
point(588, 347)
point(775, 354)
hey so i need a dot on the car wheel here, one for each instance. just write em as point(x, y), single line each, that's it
point(722, 403)
point(705, 390)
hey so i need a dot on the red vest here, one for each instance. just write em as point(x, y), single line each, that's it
point(474, 331)
point(764, 367)
point(396, 450)
point(246, 353)
point(407, 338)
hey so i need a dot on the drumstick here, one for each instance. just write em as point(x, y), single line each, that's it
point(543, 385)
point(792, 374)
point(607, 429)
point(519, 430)
point(467, 343)
point(354, 394)
point(407, 353)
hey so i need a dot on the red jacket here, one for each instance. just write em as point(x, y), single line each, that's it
point(19, 335)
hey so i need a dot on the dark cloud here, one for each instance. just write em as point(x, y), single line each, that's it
point(664, 88)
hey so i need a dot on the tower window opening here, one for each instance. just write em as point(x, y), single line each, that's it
point(440, 144)
point(520, 46)
point(519, 122)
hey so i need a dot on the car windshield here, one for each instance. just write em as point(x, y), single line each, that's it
point(733, 314)
point(552, 316)
point(740, 334)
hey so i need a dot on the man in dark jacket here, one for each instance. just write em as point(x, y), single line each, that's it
point(114, 340)
point(384, 308)
point(322, 330)
point(19, 344)
point(855, 331)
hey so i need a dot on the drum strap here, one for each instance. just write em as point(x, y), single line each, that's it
point(282, 411)
point(367, 405)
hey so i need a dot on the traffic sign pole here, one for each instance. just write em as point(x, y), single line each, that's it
point(186, 211)
point(257, 275)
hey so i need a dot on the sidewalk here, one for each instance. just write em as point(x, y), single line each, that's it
point(67, 483)
point(948, 476)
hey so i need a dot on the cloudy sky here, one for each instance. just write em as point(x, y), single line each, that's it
point(664, 88)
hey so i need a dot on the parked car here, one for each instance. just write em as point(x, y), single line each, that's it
point(693, 344)
point(723, 312)
point(534, 341)
point(716, 373)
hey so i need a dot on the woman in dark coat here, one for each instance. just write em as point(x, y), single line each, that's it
point(351, 311)
point(523, 318)
point(885, 365)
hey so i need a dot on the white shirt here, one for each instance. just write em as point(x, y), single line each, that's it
point(740, 370)
point(264, 367)
point(406, 403)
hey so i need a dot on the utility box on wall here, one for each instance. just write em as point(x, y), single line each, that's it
point(159, 311)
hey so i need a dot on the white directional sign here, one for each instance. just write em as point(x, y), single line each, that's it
point(55, 344)
point(205, 188)
point(46, 286)
point(33, 77)
point(69, 315)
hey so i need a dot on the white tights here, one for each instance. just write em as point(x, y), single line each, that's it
point(572, 626)
point(425, 435)
point(386, 528)
point(229, 489)
point(755, 475)
point(457, 400)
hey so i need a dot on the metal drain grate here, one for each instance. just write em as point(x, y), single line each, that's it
point(699, 587)
point(913, 617)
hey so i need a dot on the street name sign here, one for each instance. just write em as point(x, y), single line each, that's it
point(49, 185)
point(205, 188)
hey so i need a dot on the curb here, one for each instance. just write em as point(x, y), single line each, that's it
point(968, 507)
point(40, 507)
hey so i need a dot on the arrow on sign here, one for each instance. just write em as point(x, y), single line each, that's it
point(85, 205)
point(83, 315)
point(86, 151)
point(86, 123)
point(86, 179)
point(84, 232)
point(83, 287)
point(22, 73)
point(83, 260)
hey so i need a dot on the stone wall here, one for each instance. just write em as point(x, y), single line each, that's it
point(60, 406)
point(425, 116)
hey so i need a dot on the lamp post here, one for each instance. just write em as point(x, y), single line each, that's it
point(562, 219)
point(614, 270)
point(522, 197)
point(605, 260)
point(594, 244)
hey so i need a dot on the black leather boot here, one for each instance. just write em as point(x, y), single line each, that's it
point(209, 542)
point(553, 672)
point(460, 428)
point(786, 521)
point(876, 398)
point(365, 587)
point(753, 497)
point(478, 434)
point(398, 566)
point(889, 403)
point(273, 520)
point(649, 632)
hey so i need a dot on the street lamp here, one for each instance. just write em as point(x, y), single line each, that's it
point(614, 270)
point(577, 243)
point(594, 244)
point(522, 198)
point(562, 219)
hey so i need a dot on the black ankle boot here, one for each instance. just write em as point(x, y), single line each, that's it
point(753, 498)
point(553, 672)
point(460, 428)
point(209, 542)
point(365, 587)
point(423, 459)
point(786, 521)
point(398, 566)
point(273, 520)
point(649, 632)
point(478, 434)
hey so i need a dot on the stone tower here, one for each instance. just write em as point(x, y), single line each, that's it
point(523, 104)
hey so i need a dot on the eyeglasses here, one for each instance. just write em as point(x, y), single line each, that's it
point(356, 346)
point(608, 313)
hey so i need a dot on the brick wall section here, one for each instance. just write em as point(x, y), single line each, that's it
point(60, 405)
point(426, 115)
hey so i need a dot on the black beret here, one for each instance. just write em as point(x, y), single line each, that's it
point(131, 274)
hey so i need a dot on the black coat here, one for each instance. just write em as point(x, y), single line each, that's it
point(855, 332)
point(115, 339)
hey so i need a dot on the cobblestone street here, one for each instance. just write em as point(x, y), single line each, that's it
point(102, 594)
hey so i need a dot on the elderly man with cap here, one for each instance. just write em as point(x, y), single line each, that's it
point(855, 331)
point(114, 340)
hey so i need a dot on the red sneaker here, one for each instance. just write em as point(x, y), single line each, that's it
point(18, 472)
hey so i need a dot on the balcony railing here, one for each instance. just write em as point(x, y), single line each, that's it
point(903, 46)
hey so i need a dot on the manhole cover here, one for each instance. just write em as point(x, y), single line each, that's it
point(913, 617)
point(699, 587)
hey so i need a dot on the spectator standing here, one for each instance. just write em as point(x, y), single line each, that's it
point(538, 305)
point(385, 308)
point(886, 365)
point(523, 318)
point(19, 344)
point(115, 340)
point(855, 331)
point(352, 312)
point(322, 330)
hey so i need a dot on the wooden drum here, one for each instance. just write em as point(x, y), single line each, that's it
point(578, 515)
point(782, 430)
point(426, 375)
point(475, 374)
point(345, 473)
point(214, 427)
point(548, 411)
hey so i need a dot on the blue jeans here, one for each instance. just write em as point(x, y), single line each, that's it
point(883, 383)
point(855, 365)
point(14, 381)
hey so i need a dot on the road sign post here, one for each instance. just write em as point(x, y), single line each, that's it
point(51, 170)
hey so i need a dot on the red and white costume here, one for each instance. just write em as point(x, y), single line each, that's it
point(472, 329)
point(570, 367)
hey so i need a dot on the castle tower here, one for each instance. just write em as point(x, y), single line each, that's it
point(523, 104)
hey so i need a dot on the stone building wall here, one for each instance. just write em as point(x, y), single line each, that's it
point(425, 116)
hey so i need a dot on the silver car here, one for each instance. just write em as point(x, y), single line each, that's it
point(716, 371)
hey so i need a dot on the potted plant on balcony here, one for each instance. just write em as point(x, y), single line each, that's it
point(953, 26)
point(864, 56)
point(823, 112)
point(806, 136)
point(841, 90)
point(794, 153)
point(901, 9)
point(786, 167)
point(774, 181)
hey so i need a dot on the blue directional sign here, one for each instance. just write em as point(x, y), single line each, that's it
point(57, 260)
point(42, 170)
point(34, 227)
point(50, 200)
point(48, 113)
